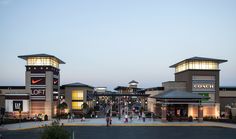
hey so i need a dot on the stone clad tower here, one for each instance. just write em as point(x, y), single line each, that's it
point(42, 80)
point(202, 76)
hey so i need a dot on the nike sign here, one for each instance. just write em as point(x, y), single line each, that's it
point(36, 81)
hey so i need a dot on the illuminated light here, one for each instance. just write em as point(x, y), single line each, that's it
point(207, 65)
point(66, 110)
point(205, 86)
point(77, 95)
point(32, 61)
point(77, 105)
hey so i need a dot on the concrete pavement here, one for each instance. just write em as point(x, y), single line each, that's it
point(115, 122)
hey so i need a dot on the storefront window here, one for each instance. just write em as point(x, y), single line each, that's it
point(42, 61)
point(77, 95)
point(206, 65)
point(77, 105)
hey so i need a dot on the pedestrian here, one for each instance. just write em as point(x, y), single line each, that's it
point(107, 120)
point(72, 117)
point(126, 118)
point(68, 117)
point(139, 115)
point(143, 116)
point(131, 117)
point(110, 120)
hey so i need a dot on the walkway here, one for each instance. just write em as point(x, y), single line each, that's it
point(115, 122)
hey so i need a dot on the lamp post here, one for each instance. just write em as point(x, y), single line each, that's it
point(20, 118)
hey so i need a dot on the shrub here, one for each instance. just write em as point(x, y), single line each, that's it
point(55, 131)
point(190, 118)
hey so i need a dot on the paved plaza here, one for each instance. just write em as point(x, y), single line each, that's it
point(115, 122)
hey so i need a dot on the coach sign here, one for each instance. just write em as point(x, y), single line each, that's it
point(203, 83)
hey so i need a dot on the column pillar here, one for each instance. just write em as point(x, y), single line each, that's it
point(200, 113)
point(163, 112)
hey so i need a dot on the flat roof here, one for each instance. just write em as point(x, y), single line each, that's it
point(200, 59)
point(154, 88)
point(25, 57)
point(115, 94)
point(227, 88)
point(12, 87)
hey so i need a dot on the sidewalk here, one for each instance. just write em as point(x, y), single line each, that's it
point(115, 122)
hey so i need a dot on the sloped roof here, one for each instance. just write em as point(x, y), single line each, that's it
point(125, 87)
point(77, 84)
point(41, 55)
point(200, 59)
point(177, 94)
point(133, 81)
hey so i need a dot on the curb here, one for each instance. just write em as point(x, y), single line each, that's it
point(130, 125)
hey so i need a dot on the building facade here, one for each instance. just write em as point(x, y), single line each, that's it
point(42, 91)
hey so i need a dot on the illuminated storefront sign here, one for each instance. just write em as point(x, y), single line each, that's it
point(38, 92)
point(55, 81)
point(203, 84)
point(37, 80)
point(17, 105)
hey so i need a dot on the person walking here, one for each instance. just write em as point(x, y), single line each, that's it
point(131, 117)
point(143, 116)
point(126, 118)
point(108, 118)
point(68, 117)
point(72, 117)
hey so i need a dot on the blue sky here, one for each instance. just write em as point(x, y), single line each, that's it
point(111, 42)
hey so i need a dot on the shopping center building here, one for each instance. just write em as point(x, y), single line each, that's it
point(195, 91)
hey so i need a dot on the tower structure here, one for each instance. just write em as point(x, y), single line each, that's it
point(42, 80)
point(202, 76)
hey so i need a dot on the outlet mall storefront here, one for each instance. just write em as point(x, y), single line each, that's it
point(195, 91)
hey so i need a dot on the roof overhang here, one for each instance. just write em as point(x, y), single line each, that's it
point(199, 59)
point(25, 57)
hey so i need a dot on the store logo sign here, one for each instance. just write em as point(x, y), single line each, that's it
point(55, 81)
point(204, 86)
point(17, 105)
point(38, 80)
point(38, 92)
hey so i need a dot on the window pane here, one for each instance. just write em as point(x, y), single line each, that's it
point(77, 105)
point(77, 95)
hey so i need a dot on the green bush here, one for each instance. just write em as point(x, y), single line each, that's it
point(55, 131)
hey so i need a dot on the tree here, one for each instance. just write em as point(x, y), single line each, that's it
point(62, 106)
point(85, 108)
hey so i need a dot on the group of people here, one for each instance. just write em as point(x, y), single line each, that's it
point(70, 117)
point(140, 115)
point(40, 117)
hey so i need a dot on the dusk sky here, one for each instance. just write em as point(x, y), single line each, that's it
point(111, 42)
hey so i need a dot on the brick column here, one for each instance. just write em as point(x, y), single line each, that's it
point(163, 112)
